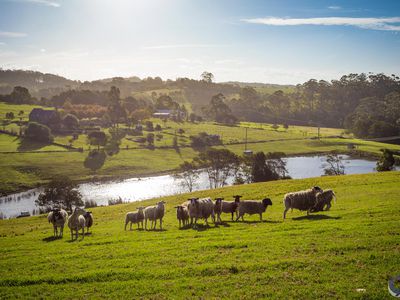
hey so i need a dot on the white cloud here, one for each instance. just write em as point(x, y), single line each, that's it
point(41, 2)
point(2, 44)
point(334, 7)
point(10, 34)
point(181, 46)
point(366, 23)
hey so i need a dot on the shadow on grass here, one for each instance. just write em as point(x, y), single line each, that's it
point(316, 218)
point(30, 145)
point(157, 229)
point(263, 221)
point(223, 223)
point(51, 239)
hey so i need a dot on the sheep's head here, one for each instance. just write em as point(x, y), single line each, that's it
point(161, 203)
point(317, 189)
point(140, 208)
point(79, 211)
point(179, 208)
point(193, 201)
point(237, 198)
point(266, 202)
point(218, 200)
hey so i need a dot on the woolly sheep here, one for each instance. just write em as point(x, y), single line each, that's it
point(135, 217)
point(252, 207)
point(58, 217)
point(182, 214)
point(302, 200)
point(323, 198)
point(76, 221)
point(200, 209)
point(88, 220)
point(231, 206)
point(153, 213)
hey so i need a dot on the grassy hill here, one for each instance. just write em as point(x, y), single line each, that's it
point(327, 255)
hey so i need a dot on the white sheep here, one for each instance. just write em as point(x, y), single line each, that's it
point(136, 217)
point(182, 214)
point(302, 200)
point(76, 221)
point(231, 206)
point(252, 207)
point(201, 209)
point(153, 213)
point(58, 217)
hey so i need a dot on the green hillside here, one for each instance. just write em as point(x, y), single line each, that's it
point(348, 252)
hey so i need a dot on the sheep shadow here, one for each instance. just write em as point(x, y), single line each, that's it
point(155, 230)
point(87, 233)
point(223, 223)
point(316, 218)
point(202, 227)
point(51, 239)
point(259, 221)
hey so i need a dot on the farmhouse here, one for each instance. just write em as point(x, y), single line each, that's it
point(169, 113)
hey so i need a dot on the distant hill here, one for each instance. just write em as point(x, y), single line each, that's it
point(264, 88)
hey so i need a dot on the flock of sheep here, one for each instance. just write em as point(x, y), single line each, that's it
point(311, 200)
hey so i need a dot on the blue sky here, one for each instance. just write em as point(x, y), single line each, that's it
point(264, 41)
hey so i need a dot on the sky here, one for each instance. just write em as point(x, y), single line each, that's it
point(270, 41)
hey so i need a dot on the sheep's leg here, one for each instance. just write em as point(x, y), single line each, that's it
point(72, 235)
point(61, 230)
point(145, 224)
point(237, 219)
point(308, 212)
point(232, 215)
point(260, 217)
point(285, 211)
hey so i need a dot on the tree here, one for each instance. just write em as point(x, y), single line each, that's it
point(115, 109)
point(10, 115)
point(150, 139)
point(20, 95)
point(334, 164)
point(265, 167)
point(95, 160)
point(207, 77)
point(70, 121)
point(218, 111)
point(97, 138)
point(386, 162)
point(38, 132)
point(187, 174)
point(60, 192)
point(219, 164)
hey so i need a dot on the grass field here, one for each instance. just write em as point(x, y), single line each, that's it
point(328, 255)
point(33, 164)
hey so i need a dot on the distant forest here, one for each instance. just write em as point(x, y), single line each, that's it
point(366, 104)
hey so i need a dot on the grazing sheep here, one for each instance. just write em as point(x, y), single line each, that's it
point(201, 209)
point(231, 206)
point(135, 217)
point(153, 213)
point(324, 198)
point(252, 207)
point(218, 208)
point(182, 214)
point(302, 200)
point(58, 217)
point(88, 220)
point(76, 221)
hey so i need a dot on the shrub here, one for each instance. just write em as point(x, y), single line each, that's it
point(90, 203)
point(38, 132)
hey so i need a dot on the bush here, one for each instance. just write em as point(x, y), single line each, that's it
point(70, 121)
point(38, 132)
point(115, 201)
point(203, 140)
point(158, 127)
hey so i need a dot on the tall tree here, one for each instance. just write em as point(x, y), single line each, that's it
point(207, 77)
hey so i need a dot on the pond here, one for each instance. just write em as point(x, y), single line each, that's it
point(135, 189)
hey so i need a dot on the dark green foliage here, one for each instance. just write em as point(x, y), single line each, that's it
point(386, 162)
point(158, 127)
point(149, 126)
point(150, 139)
point(219, 111)
point(70, 121)
point(262, 167)
point(38, 132)
point(10, 115)
point(97, 138)
point(60, 192)
point(95, 160)
point(204, 139)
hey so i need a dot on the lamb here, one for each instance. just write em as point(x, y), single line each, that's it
point(252, 207)
point(182, 214)
point(153, 213)
point(231, 206)
point(201, 209)
point(88, 220)
point(324, 198)
point(218, 208)
point(58, 217)
point(302, 200)
point(76, 222)
point(135, 217)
